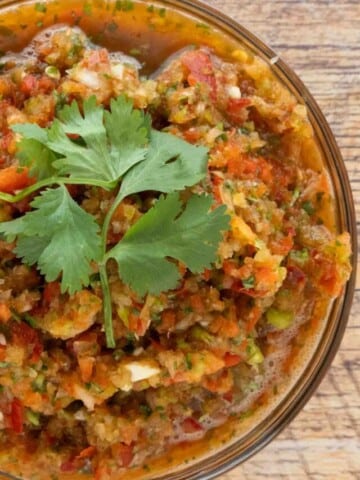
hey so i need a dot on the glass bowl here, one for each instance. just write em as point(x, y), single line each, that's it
point(222, 451)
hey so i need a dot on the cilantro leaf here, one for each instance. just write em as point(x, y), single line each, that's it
point(37, 157)
point(33, 152)
point(31, 130)
point(114, 141)
point(171, 164)
point(90, 126)
point(190, 235)
point(128, 131)
point(59, 236)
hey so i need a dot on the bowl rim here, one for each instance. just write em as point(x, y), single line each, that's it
point(203, 468)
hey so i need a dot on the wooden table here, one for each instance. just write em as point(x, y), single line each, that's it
point(320, 39)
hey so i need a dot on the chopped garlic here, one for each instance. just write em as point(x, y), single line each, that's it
point(117, 71)
point(87, 77)
point(81, 394)
point(141, 371)
point(233, 92)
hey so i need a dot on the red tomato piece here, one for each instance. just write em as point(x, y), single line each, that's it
point(29, 84)
point(201, 70)
point(17, 415)
point(237, 104)
point(190, 425)
point(26, 336)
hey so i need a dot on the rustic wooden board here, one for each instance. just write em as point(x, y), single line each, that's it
point(320, 39)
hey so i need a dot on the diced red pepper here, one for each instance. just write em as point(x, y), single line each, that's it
point(51, 291)
point(87, 452)
point(17, 416)
point(229, 396)
point(190, 425)
point(295, 276)
point(232, 359)
point(68, 466)
point(126, 454)
point(14, 178)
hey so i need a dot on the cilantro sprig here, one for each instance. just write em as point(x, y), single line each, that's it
point(113, 149)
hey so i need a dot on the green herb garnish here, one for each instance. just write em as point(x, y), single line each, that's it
point(87, 8)
point(145, 410)
point(114, 150)
point(40, 7)
point(124, 5)
point(308, 207)
point(249, 282)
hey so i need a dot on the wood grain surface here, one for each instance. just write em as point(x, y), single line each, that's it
point(320, 40)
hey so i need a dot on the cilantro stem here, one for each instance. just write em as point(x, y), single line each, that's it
point(6, 197)
point(109, 331)
point(105, 229)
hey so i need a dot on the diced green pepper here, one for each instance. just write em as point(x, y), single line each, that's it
point(124, 313)
point(33, 417)
point(279, 319)
point(255, 355)
point(53, 72)
point(39, 384)
point(199, 333)
point(300, 256)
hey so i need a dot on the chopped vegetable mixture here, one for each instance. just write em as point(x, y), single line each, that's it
point(163, 241)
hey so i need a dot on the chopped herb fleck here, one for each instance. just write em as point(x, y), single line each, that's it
point(88, 8)
point(39, 384)
point(93, 386)
point(40, 7)
point(135, 52)
point(188, 362)
point(112, 27)
point(249, 282)
point(124, 5)
point(308, 207)
point(145, 410)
